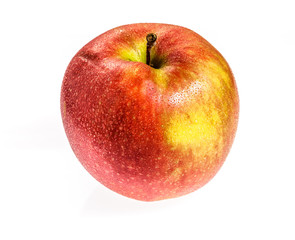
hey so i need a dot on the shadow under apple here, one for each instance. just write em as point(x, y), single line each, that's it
point(103, 201)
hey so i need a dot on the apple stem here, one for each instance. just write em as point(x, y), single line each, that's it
point(151, 39)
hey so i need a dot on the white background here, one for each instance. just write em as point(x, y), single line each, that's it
point(47, 194)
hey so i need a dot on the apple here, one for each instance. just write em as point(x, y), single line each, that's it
point(150, 110)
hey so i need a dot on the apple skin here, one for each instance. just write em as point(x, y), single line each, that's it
point(150, 133)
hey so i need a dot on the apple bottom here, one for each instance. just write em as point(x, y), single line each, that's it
point(153, 183)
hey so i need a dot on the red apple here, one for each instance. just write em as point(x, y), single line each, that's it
point(155, 129)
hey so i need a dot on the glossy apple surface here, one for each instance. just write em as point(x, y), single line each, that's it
point(150, 133)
